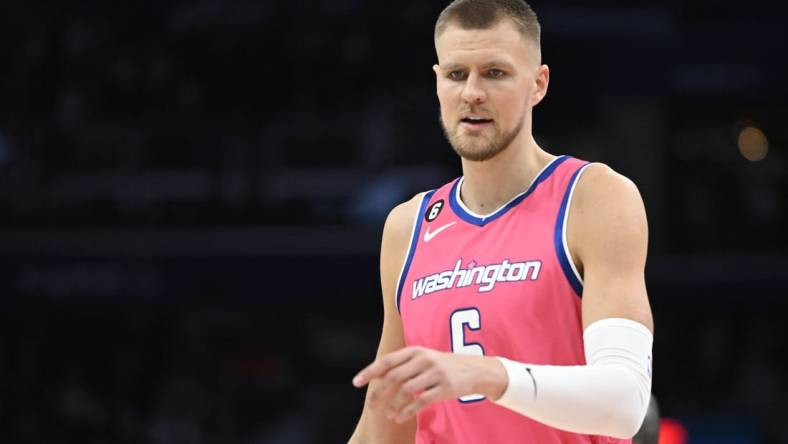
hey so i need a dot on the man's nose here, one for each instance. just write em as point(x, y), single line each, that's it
point(473, 91)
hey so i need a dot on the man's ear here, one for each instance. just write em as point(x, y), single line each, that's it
point(542, 81)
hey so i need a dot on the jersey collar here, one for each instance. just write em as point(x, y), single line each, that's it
point(469, 216)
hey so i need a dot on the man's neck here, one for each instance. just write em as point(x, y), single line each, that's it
point(490, 184)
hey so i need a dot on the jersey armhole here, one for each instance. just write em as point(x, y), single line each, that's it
point(414, 240)
point(561, 247)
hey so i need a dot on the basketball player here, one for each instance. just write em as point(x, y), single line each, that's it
point(515, 307)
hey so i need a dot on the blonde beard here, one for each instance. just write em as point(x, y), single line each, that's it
point(476, 153)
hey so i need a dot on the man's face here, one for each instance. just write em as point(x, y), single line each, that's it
point(487, 80)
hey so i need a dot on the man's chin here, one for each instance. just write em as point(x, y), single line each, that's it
point(476, 154)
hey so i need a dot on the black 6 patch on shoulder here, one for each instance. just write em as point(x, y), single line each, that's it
point(433, 211)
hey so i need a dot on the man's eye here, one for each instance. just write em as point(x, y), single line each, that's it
point(457, 75)
point(495, 73)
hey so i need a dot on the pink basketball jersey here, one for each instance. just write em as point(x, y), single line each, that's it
point(495, 285)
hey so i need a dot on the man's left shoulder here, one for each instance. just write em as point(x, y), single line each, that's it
point(606, 208)
point(600, 187)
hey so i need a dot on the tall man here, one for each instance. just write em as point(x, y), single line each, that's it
point(515, 306)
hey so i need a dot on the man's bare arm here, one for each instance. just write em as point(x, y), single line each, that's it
point(374, 427)
point(608, 236)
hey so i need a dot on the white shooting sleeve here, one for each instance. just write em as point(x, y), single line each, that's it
point(608, 396)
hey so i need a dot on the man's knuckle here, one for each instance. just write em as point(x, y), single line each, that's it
point(420, 361)
point(395, 400)
point(396, 375)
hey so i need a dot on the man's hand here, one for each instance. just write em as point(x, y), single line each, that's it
point(413, 377)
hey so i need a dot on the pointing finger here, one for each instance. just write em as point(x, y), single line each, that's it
point(382, 365)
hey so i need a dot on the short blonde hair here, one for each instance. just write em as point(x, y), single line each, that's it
point(484, 14)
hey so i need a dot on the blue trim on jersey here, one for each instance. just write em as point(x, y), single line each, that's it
point(558, 237)
point(413, 241)
point(482, 221)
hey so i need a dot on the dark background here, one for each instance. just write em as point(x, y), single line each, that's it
point(192, 195)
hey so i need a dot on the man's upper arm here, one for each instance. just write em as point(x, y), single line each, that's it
point(608, 236)
point(393, 250)
point(374, 427)
point(394, 247)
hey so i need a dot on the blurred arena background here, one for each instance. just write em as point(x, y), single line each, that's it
point(192, 194)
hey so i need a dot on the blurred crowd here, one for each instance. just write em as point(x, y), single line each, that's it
point(199, 111)
point(211, 372)
point(197, 375)
point(143, 113)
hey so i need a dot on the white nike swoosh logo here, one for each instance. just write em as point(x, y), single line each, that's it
point(428, 236)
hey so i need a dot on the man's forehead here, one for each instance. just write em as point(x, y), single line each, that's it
point(503, 40)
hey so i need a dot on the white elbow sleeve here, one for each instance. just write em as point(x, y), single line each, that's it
point(609, 396)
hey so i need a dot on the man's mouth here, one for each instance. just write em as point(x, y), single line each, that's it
point(475, 122)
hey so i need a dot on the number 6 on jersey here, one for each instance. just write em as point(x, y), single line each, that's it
point(459, 319)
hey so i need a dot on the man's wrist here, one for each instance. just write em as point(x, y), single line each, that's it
point(493, 378)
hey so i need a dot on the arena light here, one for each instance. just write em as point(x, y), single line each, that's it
point(672, 431)
point(753, 144)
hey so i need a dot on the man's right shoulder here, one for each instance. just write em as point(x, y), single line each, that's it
point(399, 223)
